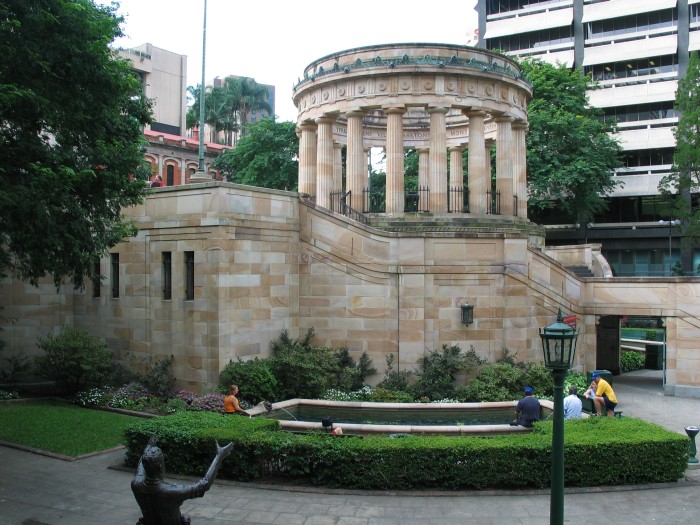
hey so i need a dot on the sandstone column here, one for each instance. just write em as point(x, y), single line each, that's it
point(423, 166)
point(438, 159)
point(363, 199)
point(456, 199)
point(488, 144)
point(307, 159)
point(324, 161)
point(504, 163)
point(356, 172)
point(520, 168)
point(337, 186)
point(478, 174)
point(394, 160)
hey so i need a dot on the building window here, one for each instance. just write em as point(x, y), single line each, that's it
point(189, 276)
point(114, 260)
point(623, 25)
point(96, 279)
point(533, 40)
point(167, 276)
point(170, 175)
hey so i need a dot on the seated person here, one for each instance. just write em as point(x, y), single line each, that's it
point(527, 410)
point(604, 395)
point(231, 405)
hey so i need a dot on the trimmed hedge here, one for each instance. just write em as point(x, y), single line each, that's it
point(598, 451)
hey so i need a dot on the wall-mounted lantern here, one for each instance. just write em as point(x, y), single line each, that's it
point(467, 314)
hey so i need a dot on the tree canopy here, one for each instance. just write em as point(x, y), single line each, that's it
point(571, 151)
point(684, 179)
point(226, 107)
point(266, 156)
point(71, 138)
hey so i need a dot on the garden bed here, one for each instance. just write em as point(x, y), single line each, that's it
point(636, 452)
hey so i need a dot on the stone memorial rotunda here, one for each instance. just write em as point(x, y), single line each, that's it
point(436, 98)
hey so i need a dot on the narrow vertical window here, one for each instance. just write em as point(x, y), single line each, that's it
point(170, 175)
point(96, 280)
point(189, 276)
point(167, 276)
point(114, 260)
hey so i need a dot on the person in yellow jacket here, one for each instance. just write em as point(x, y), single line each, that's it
point(604, 395)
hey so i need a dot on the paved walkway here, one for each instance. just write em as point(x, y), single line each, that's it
point(39, 490)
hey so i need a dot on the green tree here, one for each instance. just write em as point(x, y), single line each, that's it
point(227, 106)
point(251, 97)
point(71, 138)
point(266, 156)
point(74, 359)
point(571, 151)
point(684, 178)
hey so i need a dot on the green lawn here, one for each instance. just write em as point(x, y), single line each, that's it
point(61, 427)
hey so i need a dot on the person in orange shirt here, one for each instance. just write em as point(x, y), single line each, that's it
point(231, 405)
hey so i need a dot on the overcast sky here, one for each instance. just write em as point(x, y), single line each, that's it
point(273, 41)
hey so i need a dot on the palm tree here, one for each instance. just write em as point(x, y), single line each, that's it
point(227, 107)
point(253, 98)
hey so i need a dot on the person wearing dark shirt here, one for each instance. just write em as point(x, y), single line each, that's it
point(527, 410)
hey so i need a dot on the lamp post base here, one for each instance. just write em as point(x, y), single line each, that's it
point(692, 450)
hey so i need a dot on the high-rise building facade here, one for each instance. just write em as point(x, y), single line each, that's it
point(636, 50)
point(164, 77)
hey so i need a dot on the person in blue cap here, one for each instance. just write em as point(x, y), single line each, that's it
point(604, 395)
point(527, 410)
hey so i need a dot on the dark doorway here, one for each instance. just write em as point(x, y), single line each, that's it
point(608, 344)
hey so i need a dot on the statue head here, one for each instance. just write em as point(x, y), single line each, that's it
point(153, 463)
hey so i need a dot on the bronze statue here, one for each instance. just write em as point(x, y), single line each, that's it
point(160, 501)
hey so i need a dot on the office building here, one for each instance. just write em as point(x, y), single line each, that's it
point(636, 51)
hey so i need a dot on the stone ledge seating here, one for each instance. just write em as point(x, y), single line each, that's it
point(589, 406)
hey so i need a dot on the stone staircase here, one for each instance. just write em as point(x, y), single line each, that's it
point(581, 270)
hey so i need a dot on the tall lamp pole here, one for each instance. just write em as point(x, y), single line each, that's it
point(559, 347)
point(200, 175)
point(670, 225)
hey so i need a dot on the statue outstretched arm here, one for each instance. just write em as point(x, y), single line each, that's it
point(221, 454)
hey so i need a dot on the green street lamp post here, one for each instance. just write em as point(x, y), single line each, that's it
point(559, 347)
point(692, 449)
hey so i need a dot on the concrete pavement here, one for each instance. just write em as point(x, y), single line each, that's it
point(40, 490)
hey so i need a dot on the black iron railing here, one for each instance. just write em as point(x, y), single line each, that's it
point(493, 201)
point(458, 200)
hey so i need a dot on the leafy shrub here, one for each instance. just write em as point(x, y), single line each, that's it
point(93, 397)
point(636, 452)
point(186, 396)
point(497, 382)
point(302, 370)
point(540, 379)
point(254, 378)
point(208, 403)
point(18, 364)
point(159, 378)
point(395, 380)
point(133, 396)
point(5, 395)
point(351, 375)
point(577, 379)
point(436, 379)
point(74, 359)
point(383, 395)
point(631, 361)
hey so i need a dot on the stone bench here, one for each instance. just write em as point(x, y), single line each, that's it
point(588, 406)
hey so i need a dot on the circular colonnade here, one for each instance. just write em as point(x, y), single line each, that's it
point(437, 98)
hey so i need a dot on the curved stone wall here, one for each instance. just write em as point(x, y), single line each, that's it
point(437, 98)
